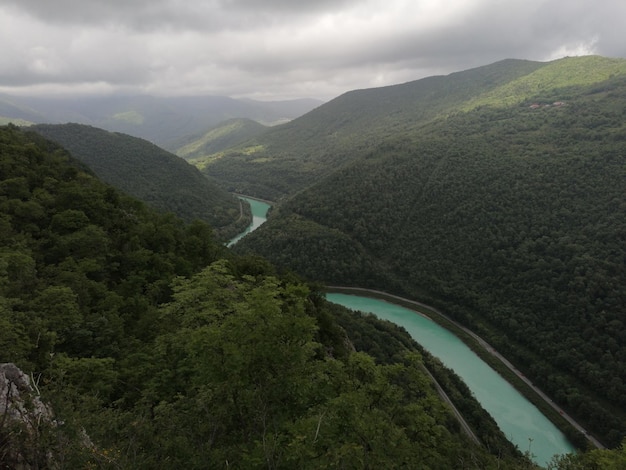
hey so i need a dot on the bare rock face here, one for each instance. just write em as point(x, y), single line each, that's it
point(22, 415)
point(16, 392)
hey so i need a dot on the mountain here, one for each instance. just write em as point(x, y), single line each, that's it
point(495, 194)
point(224, 135)
point(161, 120)
point(289, 157)
point(147, 172)
point(149, 344)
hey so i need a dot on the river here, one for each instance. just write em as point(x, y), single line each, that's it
point(259, 216)
point(522, 423)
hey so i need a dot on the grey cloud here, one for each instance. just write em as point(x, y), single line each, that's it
point(290, 7)
point(147, 15)
point(288, 48)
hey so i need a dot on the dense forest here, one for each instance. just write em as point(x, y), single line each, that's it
point(149, 173)
point(509, 217)
point(157, 347)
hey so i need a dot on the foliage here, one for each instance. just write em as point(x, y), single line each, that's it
point(292, 156)
point(146, 172)
point(612, 459)
point(166, 121)
point(226, 134)
point(511, 219)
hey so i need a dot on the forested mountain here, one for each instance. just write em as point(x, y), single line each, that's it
point(161, 120)
point(224, 135)
point(151, 174)
point(508, 212)
point(290, 157)
point(156, 347)
point(16, 113)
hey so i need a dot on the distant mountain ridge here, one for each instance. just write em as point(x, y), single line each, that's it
point(289, 157)
point(160, 120)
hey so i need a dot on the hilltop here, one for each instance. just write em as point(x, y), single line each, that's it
point(161, 120)
point(143, 337)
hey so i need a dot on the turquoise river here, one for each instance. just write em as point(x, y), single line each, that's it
point(520, 420)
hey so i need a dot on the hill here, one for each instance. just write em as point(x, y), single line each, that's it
point(161, 120)
point(287, 158)
point(147, 172)
point(226, 134)
point(507, 214)
point(146, 337)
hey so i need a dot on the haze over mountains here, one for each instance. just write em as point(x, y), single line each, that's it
point(496, 193)
point(149, 173)
point(147, 337)
point(160, 120)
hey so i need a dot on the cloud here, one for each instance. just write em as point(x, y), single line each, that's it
point(284, 48)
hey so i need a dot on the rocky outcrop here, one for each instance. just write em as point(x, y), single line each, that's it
point(22, 417)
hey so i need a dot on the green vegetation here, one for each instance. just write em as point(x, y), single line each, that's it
point(149, 173)
point(169, 351)
point(508, 218)
point(319, 143)
point(132, 117)
point(18, 122)
point(595, 460)
point(161, 120)
point(218, 138)
point(560, 76)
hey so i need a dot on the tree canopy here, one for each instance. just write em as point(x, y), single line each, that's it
point(509, 217)
point(156, 347)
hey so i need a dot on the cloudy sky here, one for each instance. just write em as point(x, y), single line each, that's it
point(283, 49)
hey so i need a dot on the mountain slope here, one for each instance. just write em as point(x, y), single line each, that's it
point(226, 134)
point(509, 217)
point(10, 111)
point(288, 158)
point(147, 172)
point(156, 347)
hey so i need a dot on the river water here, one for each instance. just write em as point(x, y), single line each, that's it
point(259, 216)
point(522, 423)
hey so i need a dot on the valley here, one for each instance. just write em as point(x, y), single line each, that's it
point(466, 192)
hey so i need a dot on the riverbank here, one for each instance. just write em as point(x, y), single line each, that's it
point(487, 353)
point(258, 210)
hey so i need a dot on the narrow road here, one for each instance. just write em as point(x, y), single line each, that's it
point(485, 345)
point(444, 396)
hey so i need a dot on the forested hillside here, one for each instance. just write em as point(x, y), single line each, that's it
point(162, 120)
point(287, 158)
point(224, 135)
point(156, 347)
point(149, 173)
point(509, 215)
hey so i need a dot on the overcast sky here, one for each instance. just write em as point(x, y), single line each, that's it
point(283, 49)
